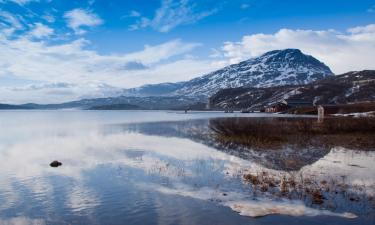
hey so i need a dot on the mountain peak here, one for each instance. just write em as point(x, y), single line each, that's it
point(284, 51)
point(292, 56)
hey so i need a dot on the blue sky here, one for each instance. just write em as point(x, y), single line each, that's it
point(58, 50)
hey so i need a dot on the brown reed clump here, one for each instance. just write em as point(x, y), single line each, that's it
point(317, 192)
point(253, 179)
point(317, 197)
point(273, 133)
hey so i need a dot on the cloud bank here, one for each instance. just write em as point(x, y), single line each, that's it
point(353, 49)
point(19, 2)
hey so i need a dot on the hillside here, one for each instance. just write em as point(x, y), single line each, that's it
point(347, 88)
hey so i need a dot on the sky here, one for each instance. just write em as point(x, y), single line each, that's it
point(54, 51)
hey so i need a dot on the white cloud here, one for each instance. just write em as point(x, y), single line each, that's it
point(78, 18)
point(49, 18)
point(42, 86)
point(171, 14)
point(40, 31)
point(9, 20)
point(179, 70)
point(10, 23)
point(19, 2)
point(362, 29)
point(164, 51)
point(134, 13)
point(244, 6)
point(341, 51)
point(57, 92)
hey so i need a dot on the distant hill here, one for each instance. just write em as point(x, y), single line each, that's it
point(115, 107)
point(350, 87)
point(122, 102)
point(7, 106)
point(163, 89)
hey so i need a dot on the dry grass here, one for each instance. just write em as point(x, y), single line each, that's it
point(357, 107)
point(323, 193)
point(273, 133)
point(341, 109)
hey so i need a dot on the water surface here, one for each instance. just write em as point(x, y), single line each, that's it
point(156, 167)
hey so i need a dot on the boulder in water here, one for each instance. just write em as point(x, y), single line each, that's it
point(55, 163)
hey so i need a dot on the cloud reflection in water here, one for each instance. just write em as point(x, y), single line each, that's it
point(139, 161)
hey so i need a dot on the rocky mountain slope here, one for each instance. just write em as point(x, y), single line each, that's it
point(279, 67)
point(350, 87)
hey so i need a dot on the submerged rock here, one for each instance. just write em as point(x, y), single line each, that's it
point(55, 163)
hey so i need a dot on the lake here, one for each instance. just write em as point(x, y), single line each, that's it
point(158, 167)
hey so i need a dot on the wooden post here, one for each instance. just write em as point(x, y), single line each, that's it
point(208, 105)
point(320, 114)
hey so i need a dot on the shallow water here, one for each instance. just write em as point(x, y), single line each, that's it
point(139, 167)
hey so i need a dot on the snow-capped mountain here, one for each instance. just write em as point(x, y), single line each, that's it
point(275, 68)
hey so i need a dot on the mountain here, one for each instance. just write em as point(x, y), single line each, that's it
point(202, 131)
point(279, 67)
point(352, 87)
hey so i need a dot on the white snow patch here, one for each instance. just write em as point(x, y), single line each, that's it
point(246, 207)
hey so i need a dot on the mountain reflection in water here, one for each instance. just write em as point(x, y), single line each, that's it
point(200, 131)
point(173, 173)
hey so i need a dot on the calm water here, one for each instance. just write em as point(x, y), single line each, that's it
point(165, 168)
